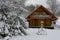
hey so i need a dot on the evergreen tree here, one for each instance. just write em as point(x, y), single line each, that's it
point(13, 24)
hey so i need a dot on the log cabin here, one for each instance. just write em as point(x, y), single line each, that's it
point(39, 16)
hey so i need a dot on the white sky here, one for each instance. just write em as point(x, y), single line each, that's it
point(58, 1)
point(37, 2)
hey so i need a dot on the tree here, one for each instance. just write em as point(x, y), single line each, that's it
point(53, 5)
point(12, 22)
point(22, 2)
point(30, 8)
point(16, 24)
point(58, 10)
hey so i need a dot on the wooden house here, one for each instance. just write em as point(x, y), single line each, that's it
point(39, 16)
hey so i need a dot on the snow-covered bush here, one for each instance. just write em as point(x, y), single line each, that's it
point(58, 22)
point(14, 24)
point(25, 21)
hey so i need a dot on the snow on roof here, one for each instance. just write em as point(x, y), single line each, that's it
point(27, 13)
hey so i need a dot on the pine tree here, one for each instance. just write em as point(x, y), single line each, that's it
point(13, 24)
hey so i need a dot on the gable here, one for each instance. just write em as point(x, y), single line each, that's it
point(42, 11)
point(38, 12)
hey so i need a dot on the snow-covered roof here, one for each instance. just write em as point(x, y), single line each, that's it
point(27, 13)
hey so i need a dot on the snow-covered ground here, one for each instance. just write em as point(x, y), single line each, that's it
point(52, 34)
point(58, 22)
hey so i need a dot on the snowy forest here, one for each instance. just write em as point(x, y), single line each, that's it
point(13, 22)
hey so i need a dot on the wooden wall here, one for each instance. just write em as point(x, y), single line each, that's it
point(37, 22)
